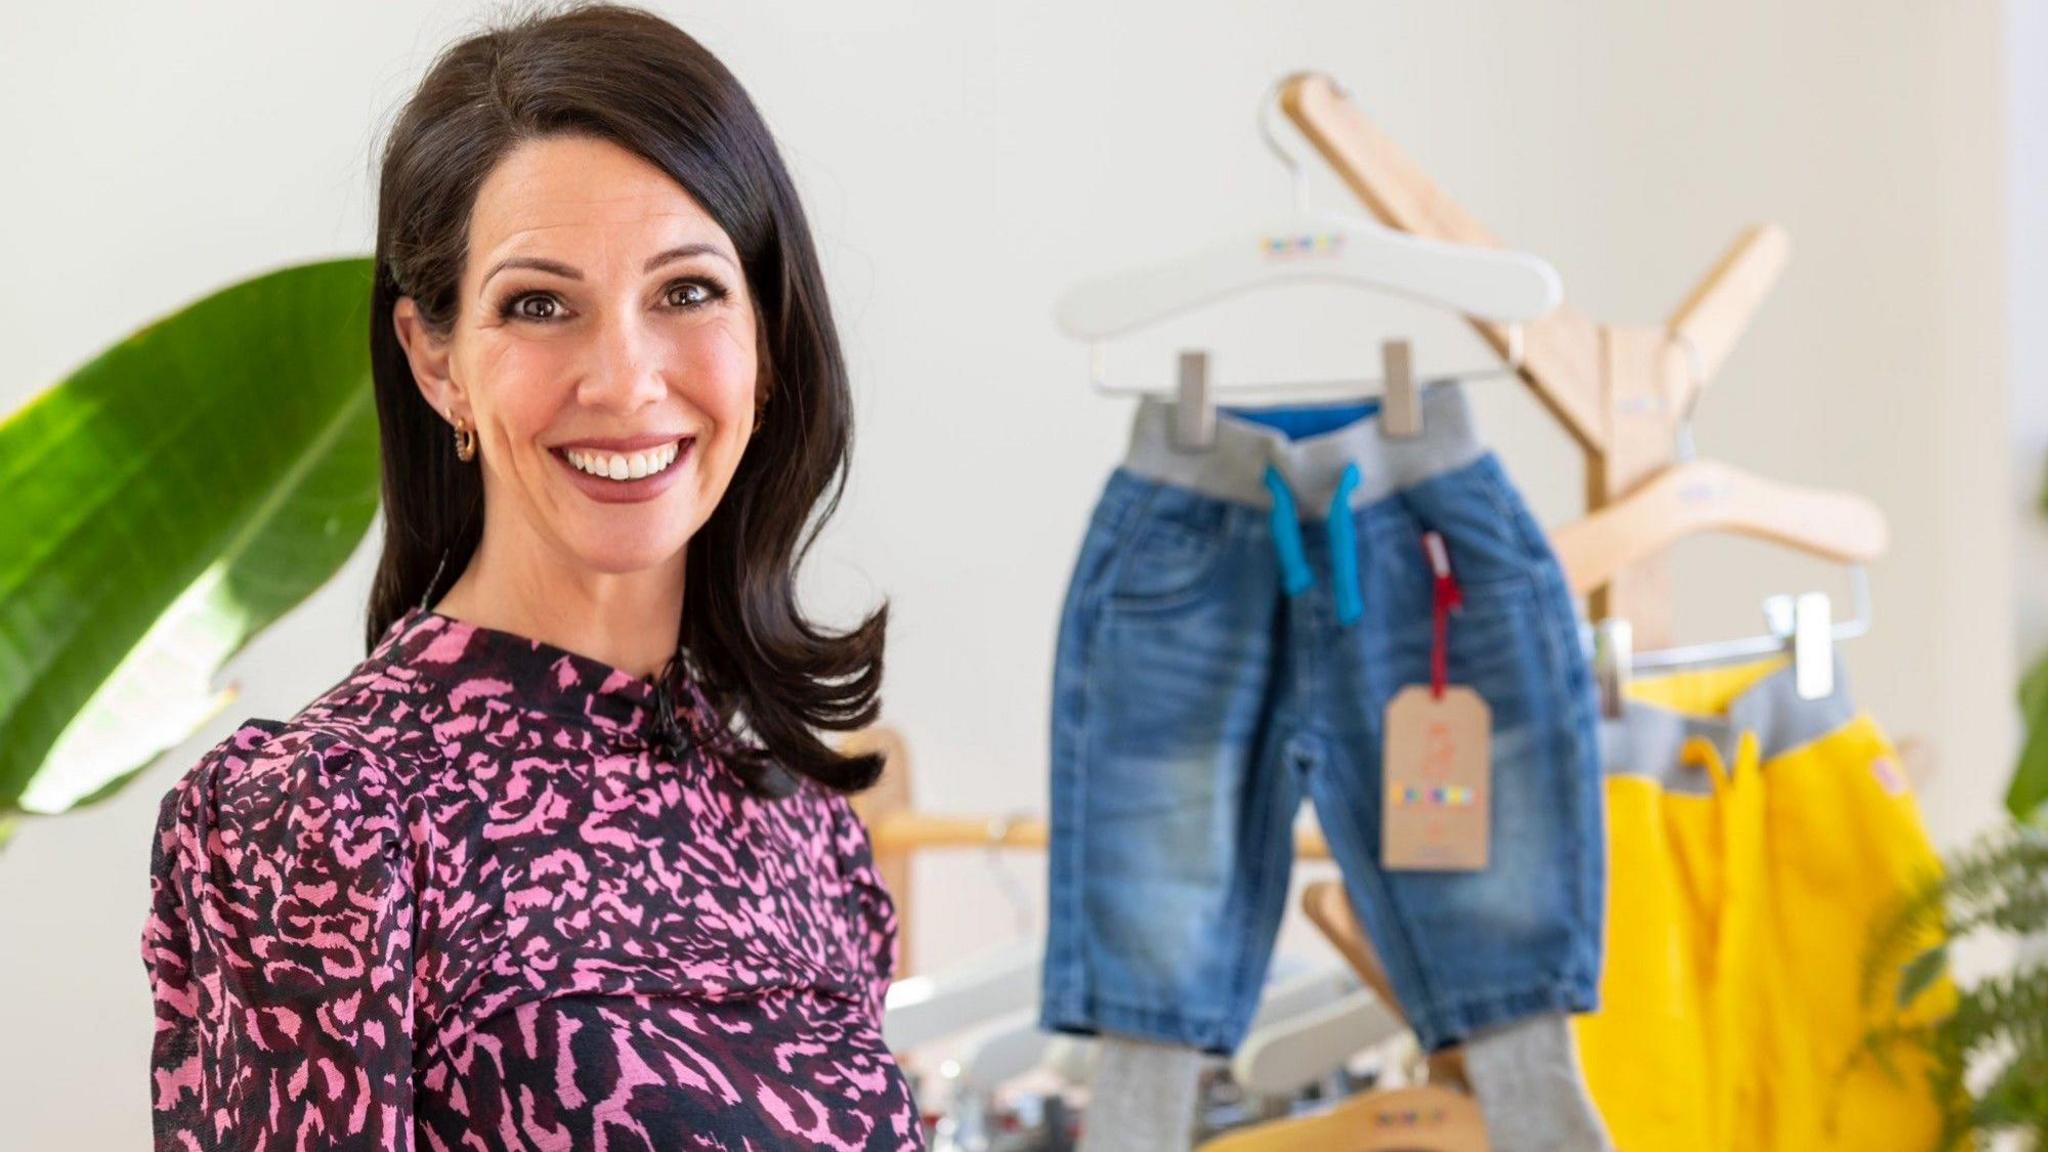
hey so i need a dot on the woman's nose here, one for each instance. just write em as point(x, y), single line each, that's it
point(626, 368)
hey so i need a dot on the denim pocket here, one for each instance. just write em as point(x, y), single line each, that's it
point(1494, 639)
point(1172, 549)
point(1482, 520)
point(1496, 642)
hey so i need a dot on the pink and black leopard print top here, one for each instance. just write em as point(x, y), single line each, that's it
point(462, 901)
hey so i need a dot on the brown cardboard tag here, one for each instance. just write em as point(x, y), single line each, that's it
point(1438, 781)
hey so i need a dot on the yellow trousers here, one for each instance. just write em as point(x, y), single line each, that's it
point(1753, 841)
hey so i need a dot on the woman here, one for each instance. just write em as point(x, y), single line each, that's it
point(561, 863)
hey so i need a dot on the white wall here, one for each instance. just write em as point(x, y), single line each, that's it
point(2026, 302)
point(964, 163)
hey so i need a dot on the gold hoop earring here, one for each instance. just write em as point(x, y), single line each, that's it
point(465, 441)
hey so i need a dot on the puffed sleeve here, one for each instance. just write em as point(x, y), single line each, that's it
point(279, 948)
point(872, 913)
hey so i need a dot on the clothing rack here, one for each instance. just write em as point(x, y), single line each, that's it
point(1625, 394)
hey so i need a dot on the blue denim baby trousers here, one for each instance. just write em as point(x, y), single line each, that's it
point(1235, 625)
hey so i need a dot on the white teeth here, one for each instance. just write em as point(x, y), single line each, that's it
point(631, 466)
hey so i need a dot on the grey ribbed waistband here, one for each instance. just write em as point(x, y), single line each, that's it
point(1645, 740)
point(1234, 468)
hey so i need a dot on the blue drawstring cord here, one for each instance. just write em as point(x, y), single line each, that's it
point(1294, 570)
point(1296, 576)
point(1344, 550)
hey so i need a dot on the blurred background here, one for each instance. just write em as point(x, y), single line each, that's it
point(962, 166)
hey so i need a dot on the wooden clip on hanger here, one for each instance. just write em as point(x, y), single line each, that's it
point(1401, 405)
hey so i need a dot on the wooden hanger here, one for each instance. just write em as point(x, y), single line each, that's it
point(1440, 1116)
point(1694, 497)
point(1424, 1119)
point(1620, 391)
point(1700, 496)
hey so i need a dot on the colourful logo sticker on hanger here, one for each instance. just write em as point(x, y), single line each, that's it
point(1306, 244)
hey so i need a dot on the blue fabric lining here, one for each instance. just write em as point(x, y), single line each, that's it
point(1299, 421)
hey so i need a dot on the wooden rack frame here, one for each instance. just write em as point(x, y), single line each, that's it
point(1621, 392)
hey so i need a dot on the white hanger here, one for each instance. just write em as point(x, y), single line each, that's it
point(1282, 1058)
point(928, 1007)
point(1490, 283)
point(1000, 1047)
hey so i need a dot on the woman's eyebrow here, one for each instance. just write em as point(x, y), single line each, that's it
point(698, 248)
point(558, 268)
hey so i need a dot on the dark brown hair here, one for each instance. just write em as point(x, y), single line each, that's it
point(630, 77)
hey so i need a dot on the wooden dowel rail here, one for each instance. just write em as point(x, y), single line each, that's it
point(903, 833)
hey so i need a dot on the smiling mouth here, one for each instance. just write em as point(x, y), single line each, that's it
point(625, 466)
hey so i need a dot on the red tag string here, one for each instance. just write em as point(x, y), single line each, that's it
point(1447, 598)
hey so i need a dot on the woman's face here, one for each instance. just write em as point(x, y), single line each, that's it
point(599, 302)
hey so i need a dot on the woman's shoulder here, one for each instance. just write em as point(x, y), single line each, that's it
point(365, 727)
point(315, 785)
point(362, 723)
point(308, 744)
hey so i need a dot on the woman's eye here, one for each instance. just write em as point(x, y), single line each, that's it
point(692, 293)
point(516, 307)
point(541, 306)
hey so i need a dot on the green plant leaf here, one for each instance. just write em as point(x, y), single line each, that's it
point(2029, 789)
point(165, 503)
point(1920, 974)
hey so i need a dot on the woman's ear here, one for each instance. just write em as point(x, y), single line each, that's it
point(428, 354)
